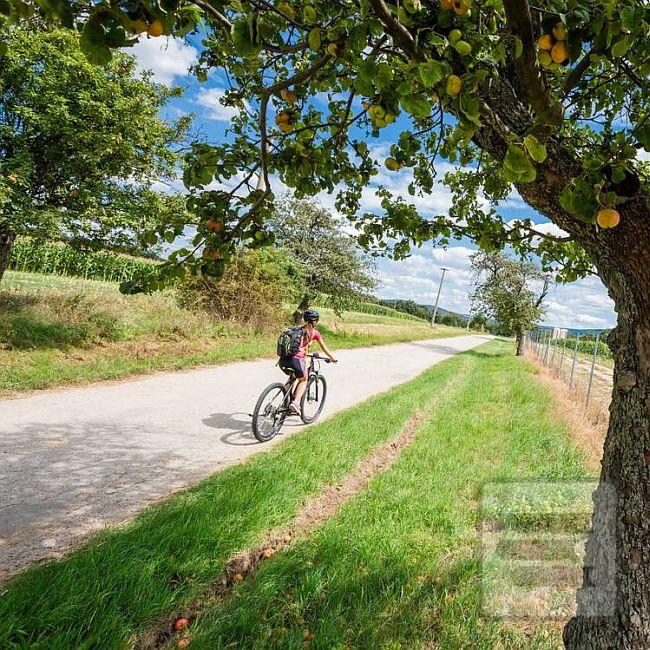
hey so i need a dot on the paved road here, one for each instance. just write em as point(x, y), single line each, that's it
point(75, 460)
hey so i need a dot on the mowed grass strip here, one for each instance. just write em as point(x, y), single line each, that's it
point(398, 567)
point(103, 594)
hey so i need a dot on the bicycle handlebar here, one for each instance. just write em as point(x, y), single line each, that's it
point(317, 356)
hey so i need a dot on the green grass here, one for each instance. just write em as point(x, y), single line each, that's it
point(396, 565)
point(58, 330)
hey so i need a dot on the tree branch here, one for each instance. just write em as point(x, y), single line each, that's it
point(215, 13)
point(576, 74)
point(394, 27)
point(548, 112)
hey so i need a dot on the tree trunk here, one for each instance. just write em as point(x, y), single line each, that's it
point(6, 241)
point(519, 339)
point(304, 304)
point(614, 600)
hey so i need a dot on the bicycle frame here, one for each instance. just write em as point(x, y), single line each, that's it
point(312, 368)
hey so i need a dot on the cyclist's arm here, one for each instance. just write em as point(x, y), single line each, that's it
point(325, 349)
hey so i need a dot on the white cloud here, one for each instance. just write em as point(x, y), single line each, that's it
point(581, 304)
point(167, 58)
point(210, 98)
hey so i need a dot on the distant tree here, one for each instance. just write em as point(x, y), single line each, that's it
point(479, 322)
point(330, 261)
point(451, 319)
point(80, 146)
point(503, 291)
point(408, 307)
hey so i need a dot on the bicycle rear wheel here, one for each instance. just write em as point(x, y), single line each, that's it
point(270, 412)
point(313, 399)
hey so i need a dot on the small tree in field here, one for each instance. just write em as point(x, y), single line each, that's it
point(503, 292)
point(80, 146)
point(329, 261)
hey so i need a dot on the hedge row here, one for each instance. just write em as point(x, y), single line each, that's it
point(56, 258)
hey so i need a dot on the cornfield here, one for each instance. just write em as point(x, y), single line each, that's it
point(56, 258)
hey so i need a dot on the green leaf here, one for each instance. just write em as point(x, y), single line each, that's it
point(93, 44)
point(241, 37)
point(631, 17)
point(517, 166)
point(620, 47)
point(416, 106)
point(567, 199)
point(535, 148)
point(432, 72)
point(313, 39)
point(519, 47)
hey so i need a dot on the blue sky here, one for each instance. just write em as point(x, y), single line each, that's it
point(582, 304)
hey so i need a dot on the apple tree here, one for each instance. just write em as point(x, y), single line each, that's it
point(80, 145)
point(547, 100)
point(504, 291)
point(328, 261)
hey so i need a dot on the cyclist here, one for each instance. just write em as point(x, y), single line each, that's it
point(297, 363)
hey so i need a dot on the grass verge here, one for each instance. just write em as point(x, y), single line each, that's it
point(62, 331)
point(398, 567)
point(395, 568)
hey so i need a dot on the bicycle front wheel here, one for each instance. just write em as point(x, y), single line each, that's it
point(313, 399)
point(270, 412)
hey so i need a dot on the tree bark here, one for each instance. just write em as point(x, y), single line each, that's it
point(614, 600)
point(304, 304)
point(519, 339)
point(6, 242)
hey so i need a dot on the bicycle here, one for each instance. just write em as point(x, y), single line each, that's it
point(272, 406)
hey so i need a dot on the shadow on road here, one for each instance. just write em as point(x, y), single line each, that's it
point(239, 425)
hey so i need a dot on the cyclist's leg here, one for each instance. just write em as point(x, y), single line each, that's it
point(301, 384)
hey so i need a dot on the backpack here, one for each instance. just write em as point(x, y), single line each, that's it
point(290, 340)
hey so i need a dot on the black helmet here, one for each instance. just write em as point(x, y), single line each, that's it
point(311, 316)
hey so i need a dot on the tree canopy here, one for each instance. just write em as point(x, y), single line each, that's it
point(81, 145)
point(504, 291)
point(330, 263)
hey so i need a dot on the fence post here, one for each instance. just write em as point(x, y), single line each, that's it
point(548, 345)
point(562, 358)
point(573, 363)
point(593, 366)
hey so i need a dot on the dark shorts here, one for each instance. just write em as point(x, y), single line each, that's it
point(293, 365)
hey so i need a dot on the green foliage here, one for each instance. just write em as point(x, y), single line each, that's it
point(251, 291)
point(81, 145)
point(587, 347)
point(383, 308)
point(409, 307)
point(453, 320)
point(503, 291)
point(60, 259)
point(446, 75)
point(328, 261)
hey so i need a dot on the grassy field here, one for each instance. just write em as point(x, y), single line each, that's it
point(57, 330)
point(397, 567)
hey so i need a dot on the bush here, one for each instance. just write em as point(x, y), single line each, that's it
point(251, 291)
point(57, 258)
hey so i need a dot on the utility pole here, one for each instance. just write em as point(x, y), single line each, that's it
point(435, 308)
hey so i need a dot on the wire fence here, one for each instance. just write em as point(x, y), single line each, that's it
point(584, 365)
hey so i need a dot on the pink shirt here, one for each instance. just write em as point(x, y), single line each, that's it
point(314, 335)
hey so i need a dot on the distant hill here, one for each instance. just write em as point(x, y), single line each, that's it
point(422, 311)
